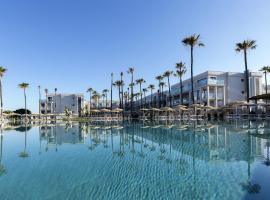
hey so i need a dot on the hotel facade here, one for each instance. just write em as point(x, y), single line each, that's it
point(213, 88)
point(57, 103)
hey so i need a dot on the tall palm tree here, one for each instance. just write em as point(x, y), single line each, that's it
point(192, 41)
point(162, 85)
point(46, 101)
point(90, 90)
point(140, 81)
point(265, 70)
point(111, 90)
point(144, 95)
point(167, 74)
point(180, 71)
point(105, 91)
point(24, 86)
point(39, 101)
point(96, 96)
point(151, 87)
point(159, 78)
point(103, 95)
point(126, 98)
point(122, 88)
point(118, 84)
point(2, 73)
point(131, 72)
point(245, 46)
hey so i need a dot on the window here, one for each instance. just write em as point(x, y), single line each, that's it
point(242, 92)
point(213, 78)
point(202, 81)
point(242, 80)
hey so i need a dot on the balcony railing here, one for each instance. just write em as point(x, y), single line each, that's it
point(215, 82)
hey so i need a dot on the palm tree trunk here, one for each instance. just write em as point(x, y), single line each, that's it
point(106, 100)
point(151, 98)
point(141, 94)
point(111, 90)
point(191, 71)
point(265, 82)
point(181, 90)
point(119, 88)
point(39, 106)
point(170, 97)
point(131, 103)
point(162, 96)
point(90, 98)
point(25, 103)
point(247, 75)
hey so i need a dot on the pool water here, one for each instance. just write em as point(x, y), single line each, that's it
point(139, 160)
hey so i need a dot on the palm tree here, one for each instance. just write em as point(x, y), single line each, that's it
point(2, 72)
point(105, 91)
point(111, 90)
point(144, 95)
point(131, 72)
point(96, 96)
point(245, 46)
point(24, 86)
point(90, 90)
point(140, 81)
point(122, 89)
point(39, 100)
point(180, 71)
point(168, 74)
point(159, 78)
point(103, 95)
point(118, 84)
point(192, 41)
point(151, 87)
point(162, 85)
point(265, 70)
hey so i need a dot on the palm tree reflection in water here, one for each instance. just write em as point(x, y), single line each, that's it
point(24, 153)
point(2, 167)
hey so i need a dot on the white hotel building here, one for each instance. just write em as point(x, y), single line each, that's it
point(214, 88)
point(57, 103)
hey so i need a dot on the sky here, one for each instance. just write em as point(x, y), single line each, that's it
point(75, 44)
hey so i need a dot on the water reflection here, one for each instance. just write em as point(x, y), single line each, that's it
point(2, 167)
point(208, 157)
point(24, 153)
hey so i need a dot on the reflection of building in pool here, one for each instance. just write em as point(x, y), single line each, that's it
point(57, 135)
point(215, 143)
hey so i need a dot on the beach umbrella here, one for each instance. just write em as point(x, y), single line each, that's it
point(117, 110)
point(156, 109)
point(168, 109)
point(95, 111)
point(144, 109)
point(105, 110)
point(209, 107)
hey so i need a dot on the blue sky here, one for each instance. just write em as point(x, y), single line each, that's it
point(74, 44)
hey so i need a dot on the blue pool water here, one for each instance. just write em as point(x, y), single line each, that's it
point(227, 160)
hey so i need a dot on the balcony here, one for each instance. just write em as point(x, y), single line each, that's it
point(215, 82)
